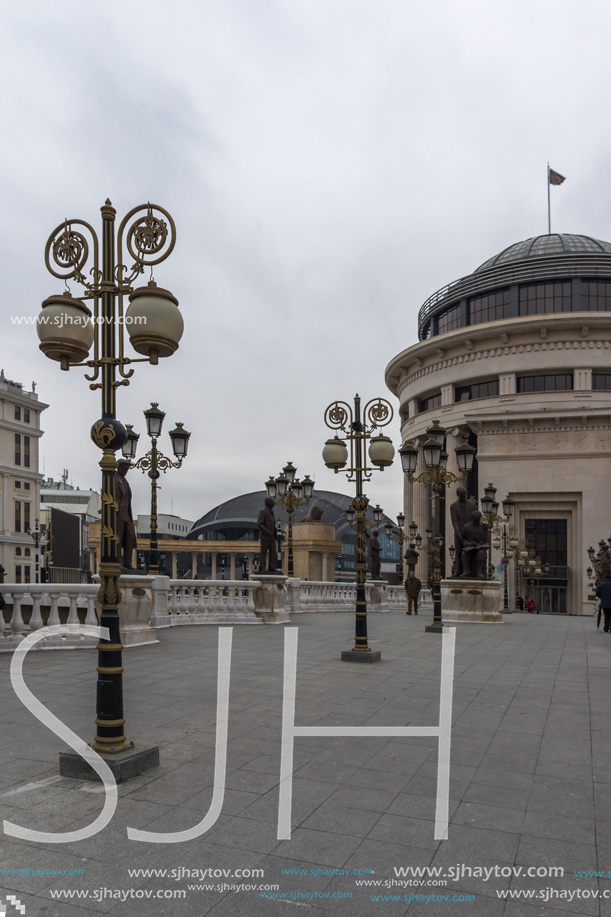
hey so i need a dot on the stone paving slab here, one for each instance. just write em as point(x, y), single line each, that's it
point(529, 788)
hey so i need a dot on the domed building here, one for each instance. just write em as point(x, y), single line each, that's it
point(235, 520)
point(517, 357)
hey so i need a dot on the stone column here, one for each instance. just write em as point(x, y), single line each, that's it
point(232, 566)
point(194, 556)
point(174, 565)
point(213, 571)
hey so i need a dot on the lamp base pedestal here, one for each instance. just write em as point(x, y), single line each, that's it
point(358, 656)
point(434, 628)
point(123, 766)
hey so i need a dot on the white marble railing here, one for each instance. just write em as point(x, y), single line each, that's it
point(30, 606)
point(205, 602)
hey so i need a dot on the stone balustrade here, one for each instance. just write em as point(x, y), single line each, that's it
point(31, 606)
point(204, 602)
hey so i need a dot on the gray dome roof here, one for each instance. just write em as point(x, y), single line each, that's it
point(244, 511)
point(540, 246)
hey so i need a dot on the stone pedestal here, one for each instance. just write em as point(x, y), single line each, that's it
point(470, 601)
point(314, 550)
point(271, 598)
point(136, 607)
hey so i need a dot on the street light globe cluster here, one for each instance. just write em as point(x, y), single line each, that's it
point(67, 330)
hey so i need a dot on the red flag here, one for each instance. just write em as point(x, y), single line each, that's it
point(555, 178)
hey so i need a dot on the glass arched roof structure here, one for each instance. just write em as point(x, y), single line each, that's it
point(559, 272)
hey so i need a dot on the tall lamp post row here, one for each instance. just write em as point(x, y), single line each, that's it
point(67, 329)
point(288, 492)
point(437, 477)
point(153, 463)
point(358, 426)
point(505, 537)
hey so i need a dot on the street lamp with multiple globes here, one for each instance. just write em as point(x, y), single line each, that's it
point(288, 492)
point(506, 536)
point(155, 462)
point(67, 328)
point(437, 477)
point(357, 429)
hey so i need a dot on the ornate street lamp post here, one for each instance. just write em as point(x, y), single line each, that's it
point(505, 536)
point(67, 328)
point(155, 462)
point(357, 430)
point(39, 539)
point(437, 477)
point(288, 492)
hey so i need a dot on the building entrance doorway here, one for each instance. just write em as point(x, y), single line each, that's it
point(551, 600)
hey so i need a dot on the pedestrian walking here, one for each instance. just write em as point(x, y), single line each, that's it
point(603, 592)
point(412, 591)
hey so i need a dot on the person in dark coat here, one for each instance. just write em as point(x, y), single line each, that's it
point(603, 592)
point(412, 589)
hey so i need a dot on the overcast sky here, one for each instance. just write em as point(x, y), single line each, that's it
point(329, 164)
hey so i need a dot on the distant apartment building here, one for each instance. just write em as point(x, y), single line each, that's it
point(67, 512)
point(20, 479)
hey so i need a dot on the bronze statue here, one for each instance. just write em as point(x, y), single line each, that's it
point(374, 554)
point(126, 529)
point(267, 536)
point(315, 515)
point(411, 558)
point(474, 537)
point(461, 512)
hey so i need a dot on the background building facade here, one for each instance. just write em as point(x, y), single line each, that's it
point(20, 480)
point(517, 357)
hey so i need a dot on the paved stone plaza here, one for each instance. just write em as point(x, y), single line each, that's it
point(530, 773)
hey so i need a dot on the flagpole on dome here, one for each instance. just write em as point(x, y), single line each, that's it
point(553, 178)
point(549, 218)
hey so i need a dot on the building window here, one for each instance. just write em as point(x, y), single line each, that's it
point(557, 382)
point(548, 538)
point(26, 415)
point(18, 573)
point(26, 451)
point(27, 552)
point(18, 485)
point(26, 575)
point(430, 403)
point(490, 307)
point(18, 448)
point(540, 298)
point(17, 515)
point(449, 320)
point(18, 552)
point(601, 381)
point(26, 485)
point(26, 517)
point(595, 295)
point(476, 390)
point(17, 412)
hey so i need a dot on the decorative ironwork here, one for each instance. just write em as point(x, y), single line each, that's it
point(338, 416)
point(379, 413)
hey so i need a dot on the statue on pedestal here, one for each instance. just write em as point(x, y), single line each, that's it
point(461, 513)
point(126, 529)
point(315, 515)
point(267, 537)
point(411, 558)
point(474, 537)
point(374, 554)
